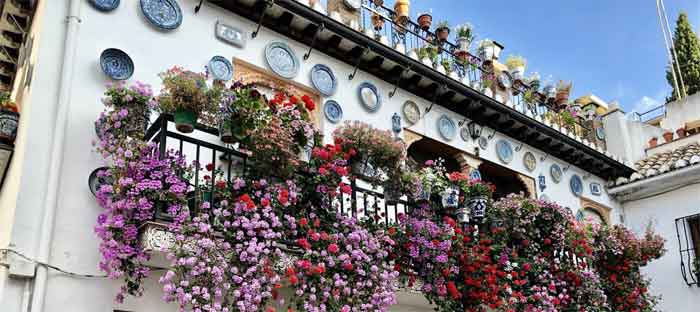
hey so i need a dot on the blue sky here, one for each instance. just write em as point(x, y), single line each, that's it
point(611, 48)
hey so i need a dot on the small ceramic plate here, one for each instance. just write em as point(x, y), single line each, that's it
point(504, 151)
point(105, 5)
point(475, 174)
point(446, 127)
point(282, 59)
point(116, 64)
point(95, 181)
point(411, 112)
point(333, 111)
point(555, 172)
point(464, 134)
point(164, 14)
point(600, 133)
point(323, 79)
point(596, 188)
point(483, 143)
point(529, 161)
point(220, 68)
point(576, 185)
point(369, 97)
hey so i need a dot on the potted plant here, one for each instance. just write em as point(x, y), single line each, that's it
point(562, 96)
point(442, 31)
point(432, 180)
point(185, 94)
point(516, 65)
point(377, 21)
point(489, 50)
point(653, 141)
point(401, 8)
point(9, 118)
point(465, 36)
point(681, 132)
point(428, 54)
point(242, 109)
point(424, 21)
point(477, 195)
point(130, 109)
point(668, 136)
point(534, 81)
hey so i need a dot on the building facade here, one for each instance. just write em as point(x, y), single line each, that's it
point(47, 212)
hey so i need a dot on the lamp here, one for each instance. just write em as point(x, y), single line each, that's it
point(5, 157)
point(474, 130)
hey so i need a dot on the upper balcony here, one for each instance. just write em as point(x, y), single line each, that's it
point(381, 44)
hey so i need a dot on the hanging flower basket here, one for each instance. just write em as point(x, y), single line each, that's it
point(424, 194)
point(9, 121)
point(477, 206)
point(185, 120)
point(450, 197)
point(401, 8)
point(136, 128)
point(226, 133)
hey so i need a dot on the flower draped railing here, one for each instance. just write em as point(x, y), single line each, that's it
point(474, 73)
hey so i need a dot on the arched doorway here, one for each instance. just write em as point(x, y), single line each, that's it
point(428, 149)
point(505, 180)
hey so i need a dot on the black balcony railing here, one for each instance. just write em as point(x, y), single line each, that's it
point(381, 21)
point(688, 232)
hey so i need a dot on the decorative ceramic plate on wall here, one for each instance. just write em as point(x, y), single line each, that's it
point(116, 64)
point(446, 127)
point(576, 185)
point(504, 151)
point(323, 79)
point(164, 14)
point(411, 112)
point(369, 97)
point(105, 5)
point(555, 172)
point(464, 134)
point(282, 59)
point(333, 111)
point(220, 68)
point(600, 133)
point(483, 143)
point(529, 161)
point(95, 181)
point(596, 188)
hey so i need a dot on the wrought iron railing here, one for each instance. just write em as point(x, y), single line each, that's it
point(473, 73)
point(654, 113)
point(688, 233)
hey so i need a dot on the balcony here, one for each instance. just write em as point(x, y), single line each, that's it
point(385, 52)
point(688, 232)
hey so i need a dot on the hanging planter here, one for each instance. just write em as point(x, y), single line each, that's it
point(424, 21)
point(516, 65)
point(9, 120)
point(226, 132)
point(185, 120)
point(185, 94)
point(563, 91)
point(450, 197)
point(442, 31)
point(401, 8)
point(136, 128)
point(477, 206)
point(489, 50)
point(377, 22)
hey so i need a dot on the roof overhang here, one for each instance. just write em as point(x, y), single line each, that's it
point(656, 185)
point(301, 23)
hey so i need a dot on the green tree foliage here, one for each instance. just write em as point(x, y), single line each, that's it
point(687, 47)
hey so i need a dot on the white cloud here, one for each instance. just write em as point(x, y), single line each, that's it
point(645, 103)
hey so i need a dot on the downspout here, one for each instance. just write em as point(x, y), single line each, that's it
point(56, 156)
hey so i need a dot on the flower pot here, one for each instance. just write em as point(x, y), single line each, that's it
point(653, 141)
point(9, 121)
point(425, 192)
point(463, 44)
point(442, 33)
point(550, 92)
point(136, 127)
point(440, 68)
point(680, 132)
point(668, 136)
point(477, 206)
point(185, 120)
point(412, 54)
point(377, 22)
point(401, 8)
point(518, 73)
point(424, 21)
point(450, 197)
point(226, 133)
point(380, 3)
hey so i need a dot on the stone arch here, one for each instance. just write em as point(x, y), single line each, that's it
point(592, 208)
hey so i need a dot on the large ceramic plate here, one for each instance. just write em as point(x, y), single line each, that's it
point(576, 185)
point(323, 79)
point(95, 181)
point(529, 161)
point(116, 64)
point(483, 143)
point(504, 151)
point(369, 96)
point(164, 14)
point(411, 112)
point(105, 5)
point(333, 111)
point(282, 60)
point(446, 127)
point(555, 172)
point(220, 68)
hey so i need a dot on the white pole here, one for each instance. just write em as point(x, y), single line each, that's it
point(668, 49)
point(56, 157)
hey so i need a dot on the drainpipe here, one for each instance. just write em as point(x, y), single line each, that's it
point(56, 155)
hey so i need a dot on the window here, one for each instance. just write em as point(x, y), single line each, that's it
point(688, 231)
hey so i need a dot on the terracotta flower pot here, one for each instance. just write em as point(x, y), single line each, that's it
point(424, 21)
point(668, 136)
point(377, 22)
point(401, 7)
point(653, 141)
point(442, 33)
point(680, 132)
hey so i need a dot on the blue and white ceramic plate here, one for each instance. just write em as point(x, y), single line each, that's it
point(529, 161)
point(446, 127)
point(116, 64)
point(411, 112)
point(600, 133)
point(576, 185)
point(555, 172)
point(333, 111)
point(596, 188)
point(282, 60)
point(95, 181)
point(475, 174)
point(164, 14)
point(323, 79)
point(483, 143)
point(105, 5)
point(369, 97)
point(504, 151)
point(220, 68)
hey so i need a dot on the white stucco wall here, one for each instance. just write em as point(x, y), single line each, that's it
point(74, 245)
point(681, 111)
point(629, 138)
point(665, 273)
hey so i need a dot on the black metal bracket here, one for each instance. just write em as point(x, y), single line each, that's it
point(398, 80)
point(313, 41)
point(543, 158)
point(268, 4)
point(462, 122)
point(198, 7)
point(519, 147)
point(357, 64)
point(435, 96)
point(566, 168)
point(492, 134)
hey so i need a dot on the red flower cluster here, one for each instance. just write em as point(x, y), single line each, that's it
point(249, 205)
